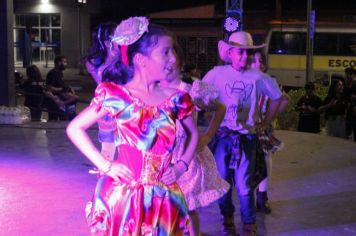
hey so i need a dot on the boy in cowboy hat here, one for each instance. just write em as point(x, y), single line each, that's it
point(234, 145)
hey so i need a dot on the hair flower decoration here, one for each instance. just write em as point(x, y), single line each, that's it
point(130, 30)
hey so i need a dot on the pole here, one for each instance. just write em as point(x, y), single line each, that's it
point(46, 49)
point(233, 8)
point(241, 15)
point(7, 81)
point(81, 69)
point(309, 46)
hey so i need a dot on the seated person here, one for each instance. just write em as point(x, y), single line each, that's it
point(66, 101)
point(57, 110)
point(33, 88)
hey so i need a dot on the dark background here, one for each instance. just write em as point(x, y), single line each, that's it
point(117, 10)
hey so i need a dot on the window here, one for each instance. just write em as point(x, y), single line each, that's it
point(292, 43)
point(42, 32)
point(45, 20)
point(347, 44)
point(338, 44)
point(325, 44)
point(55, 20)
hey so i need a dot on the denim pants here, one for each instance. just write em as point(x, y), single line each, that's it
point(240, 177)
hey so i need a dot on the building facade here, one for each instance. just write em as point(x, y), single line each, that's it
point(43, 29)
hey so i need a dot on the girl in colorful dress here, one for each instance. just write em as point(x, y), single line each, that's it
point(137, 194)
point(201, 184)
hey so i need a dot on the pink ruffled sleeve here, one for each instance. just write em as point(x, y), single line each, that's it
point(183, 105)
point(111, 97)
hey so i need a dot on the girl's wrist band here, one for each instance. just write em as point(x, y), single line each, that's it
point(107, 167)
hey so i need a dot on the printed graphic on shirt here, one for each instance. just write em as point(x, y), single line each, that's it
point(241, 93)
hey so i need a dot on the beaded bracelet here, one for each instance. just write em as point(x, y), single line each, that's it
point(185, 164)
point(107, 167)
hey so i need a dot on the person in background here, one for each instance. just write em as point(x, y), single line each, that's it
point(268, 143)
point(34, 87)
point(190, 73)
point(335, 106)
point(308, 107)
point(234, 145)
point(103, 52)
point(137, 194)
point(350, 91)
point(201, 184)
point(258, 61)
point(62, 102)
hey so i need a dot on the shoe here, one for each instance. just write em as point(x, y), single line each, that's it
point(229, 226)
point(262, 204)
point(249, 230)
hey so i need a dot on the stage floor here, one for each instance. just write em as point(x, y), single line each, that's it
point(44, 185)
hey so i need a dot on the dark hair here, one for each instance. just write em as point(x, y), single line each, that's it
point(350, 70)
point(335, 79)
point(97, 51)
point(145, 44)
point(117, 72)
point(33, 74)
point(179, 55)
point(58, 59)
point(120, 73)
point(189, 67)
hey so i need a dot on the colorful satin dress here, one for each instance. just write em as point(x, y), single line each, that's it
point(145, 136)
point(201, 184)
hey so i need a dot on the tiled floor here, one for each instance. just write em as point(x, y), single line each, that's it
point(44, 185)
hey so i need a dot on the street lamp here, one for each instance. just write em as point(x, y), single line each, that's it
point(80, 4)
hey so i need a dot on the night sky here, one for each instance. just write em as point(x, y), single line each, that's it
point(130, 6)
point(119, 9)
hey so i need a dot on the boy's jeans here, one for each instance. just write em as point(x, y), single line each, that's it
point(242, 176)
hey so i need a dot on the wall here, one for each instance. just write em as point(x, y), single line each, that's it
point(207, 11)
point(69, 19)
point(7, 81)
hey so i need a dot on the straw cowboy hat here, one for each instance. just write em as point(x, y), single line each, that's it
point(239, 39)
